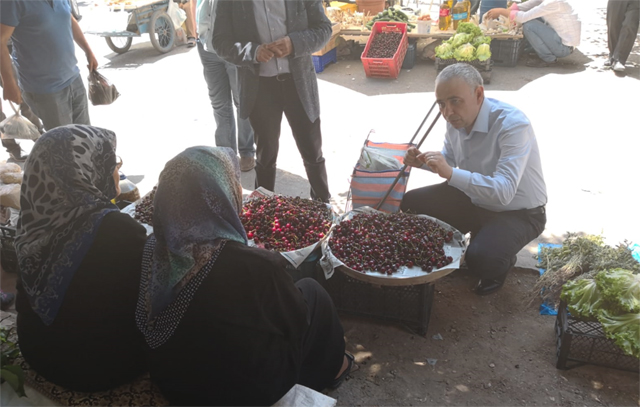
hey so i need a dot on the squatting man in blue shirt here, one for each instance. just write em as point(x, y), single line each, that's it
point(494, 186)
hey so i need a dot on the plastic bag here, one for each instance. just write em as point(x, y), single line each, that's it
point(18, 127)
point(178, 16)
point(101, 90)
point(372, 160)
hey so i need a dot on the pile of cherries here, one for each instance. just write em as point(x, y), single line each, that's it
point(283, 223)
point(385, 242)
point(144, 208)
point(384, 45)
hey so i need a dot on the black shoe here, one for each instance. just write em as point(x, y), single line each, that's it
point(488, 286)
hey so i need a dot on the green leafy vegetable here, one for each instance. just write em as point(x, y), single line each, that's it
point(465, 52)
point(583, 297)
point(477, 41)
point(580, 256)
point(459, 39)
point(483, 52)
point(444, 51)
point(469, 28)
point(9, 350)
point(620, 288)
point(624, 330)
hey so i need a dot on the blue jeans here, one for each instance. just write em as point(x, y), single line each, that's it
point(545, 41)
point(68, 106)
point(221, 78)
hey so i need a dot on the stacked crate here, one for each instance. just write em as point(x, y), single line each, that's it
point(328, 53)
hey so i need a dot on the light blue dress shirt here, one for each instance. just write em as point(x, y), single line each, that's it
point(498, 163)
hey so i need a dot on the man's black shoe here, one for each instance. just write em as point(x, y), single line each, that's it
point(488, 286)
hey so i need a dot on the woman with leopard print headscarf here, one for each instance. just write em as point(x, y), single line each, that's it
point(79, 263)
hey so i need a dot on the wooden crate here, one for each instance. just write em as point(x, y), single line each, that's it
point(331, 44)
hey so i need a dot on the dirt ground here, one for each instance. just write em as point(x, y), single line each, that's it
point(495, 350)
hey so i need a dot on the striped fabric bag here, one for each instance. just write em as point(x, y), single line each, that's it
point(369, 187)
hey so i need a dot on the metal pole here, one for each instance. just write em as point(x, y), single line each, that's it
point(422, 124)
point(404, 167)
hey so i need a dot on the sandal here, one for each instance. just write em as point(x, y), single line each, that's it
point(338, 381)
point(191, 42)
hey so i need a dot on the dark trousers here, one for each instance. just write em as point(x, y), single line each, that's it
point(323, 347)
point(496, 237)
point(623, 17)
point(276, 97)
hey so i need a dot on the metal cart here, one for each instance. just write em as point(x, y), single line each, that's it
point(145, 17)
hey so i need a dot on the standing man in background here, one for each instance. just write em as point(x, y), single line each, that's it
point(623, 17)
point(271, 41)
point(43, 33)
point(222, 80)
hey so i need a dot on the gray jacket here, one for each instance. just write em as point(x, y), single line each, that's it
point(235, 39)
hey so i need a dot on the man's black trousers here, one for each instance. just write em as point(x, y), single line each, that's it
point(278, 95)
point(496, 237)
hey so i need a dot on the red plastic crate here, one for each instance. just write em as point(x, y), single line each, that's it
point(385, 67)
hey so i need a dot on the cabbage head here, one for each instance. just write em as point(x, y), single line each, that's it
point(444, 51)
point(483, 52)
point(459, 39)
point(469, 28)
point(481, 39)
point(465, 52)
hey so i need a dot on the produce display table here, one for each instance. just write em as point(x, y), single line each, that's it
point(435, 35)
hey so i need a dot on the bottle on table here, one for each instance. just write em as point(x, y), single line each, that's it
point(128, 190)
point(467, 5)
point(445, 16)
point(458, 14)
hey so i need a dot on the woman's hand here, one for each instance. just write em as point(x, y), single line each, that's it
point(494, 13)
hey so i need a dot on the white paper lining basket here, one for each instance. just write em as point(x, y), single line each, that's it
point(405, 276)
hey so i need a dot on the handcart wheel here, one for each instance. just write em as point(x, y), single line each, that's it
point(162, 31)
point(119, 44)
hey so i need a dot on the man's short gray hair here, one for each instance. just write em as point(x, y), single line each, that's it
point(463, 71)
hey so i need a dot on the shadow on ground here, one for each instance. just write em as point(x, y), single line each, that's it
point(142, 53)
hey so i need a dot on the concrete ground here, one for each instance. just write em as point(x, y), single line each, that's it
point(585, 120)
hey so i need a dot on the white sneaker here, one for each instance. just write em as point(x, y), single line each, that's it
point(618, 67)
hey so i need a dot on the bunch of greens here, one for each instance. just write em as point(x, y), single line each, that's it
point(8, 371)
point(579, 257)
point(468, 44)
point(613, 298)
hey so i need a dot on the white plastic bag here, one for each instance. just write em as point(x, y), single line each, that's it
point(178, 16)
point(372, 160)
point(18, 127)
